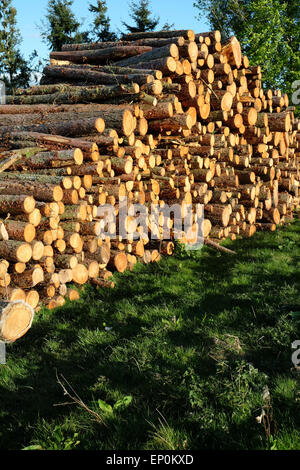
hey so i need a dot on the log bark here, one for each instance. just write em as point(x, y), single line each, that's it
point(166, 65)
point(18, 230)
point(152, 42)
point(186, 33)
point(95, 77)
point(56, 159)
point(15, 251)
point(19, 204)
point(100, 56)
point(218, 247)
point(14, 184)
point(73, 128)
point(170, 50)
point(100, 94)
point(89, 148)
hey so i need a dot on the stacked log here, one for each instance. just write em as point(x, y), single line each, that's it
point(15, 320)
point(156, 119)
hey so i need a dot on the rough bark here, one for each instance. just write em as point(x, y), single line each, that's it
point(72, 95)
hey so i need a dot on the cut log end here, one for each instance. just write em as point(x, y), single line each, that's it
point(15, 320)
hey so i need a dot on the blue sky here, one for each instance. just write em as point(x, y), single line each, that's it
point(30, 12)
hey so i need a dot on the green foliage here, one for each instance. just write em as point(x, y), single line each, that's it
point(61, 26)
point(110, 411)
point(236, 390)
point(165, 437)
point(101, 23)
point(141, 14)
point(14, 70)
point(269, 32)
point(55, 440)
point(182, 252)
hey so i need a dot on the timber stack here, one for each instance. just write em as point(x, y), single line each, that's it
point(158, 119)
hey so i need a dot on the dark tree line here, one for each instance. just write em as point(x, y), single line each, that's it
point(268, 30)
point(60, 26)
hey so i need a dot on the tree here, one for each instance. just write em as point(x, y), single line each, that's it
point(101, 23)
point(168, 27)
point(14, 70)
point(268, 31)
point(61, 26)
point(141, 16)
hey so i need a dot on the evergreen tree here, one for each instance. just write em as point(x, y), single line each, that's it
point(61, 26)
point(101, 23)
point(14, 70)
point(168, 27)
point(268, 30)
point(141, 14)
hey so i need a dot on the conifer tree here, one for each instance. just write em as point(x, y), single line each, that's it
point(168, 27)
point(141, 14)
point(61, 26)
point(101, 23)
point(14, 70)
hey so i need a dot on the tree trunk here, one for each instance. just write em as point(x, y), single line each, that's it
point(72, 95)
point(100, 56)
point(186, 33)
point(15, 251)
point(19, 204)
point(87, 75)
point(170, 50)
point(65, 128)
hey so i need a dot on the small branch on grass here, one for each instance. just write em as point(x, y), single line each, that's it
point(76, 400)
point(218, 247)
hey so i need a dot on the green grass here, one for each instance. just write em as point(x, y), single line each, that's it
point(199, 345)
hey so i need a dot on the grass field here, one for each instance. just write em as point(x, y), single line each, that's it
point(184, 354)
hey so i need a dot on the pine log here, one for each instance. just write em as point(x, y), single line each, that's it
point(15, 251)
point(16, 204)
point(152, 42)
point(186, 33)
point(18, 184)
point(89, 148)
point(18, 230)
point(65, 128)
point(166, 65)
point(218, 247)
point(15, 320)
point(232, 51)
point(170, 50)
point(88, 75)
point(54, 159)
point(72, 95)
point(100, 56)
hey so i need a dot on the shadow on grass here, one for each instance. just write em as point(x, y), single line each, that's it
point(165, 321)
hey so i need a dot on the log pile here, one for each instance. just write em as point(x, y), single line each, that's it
point(155, 119)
